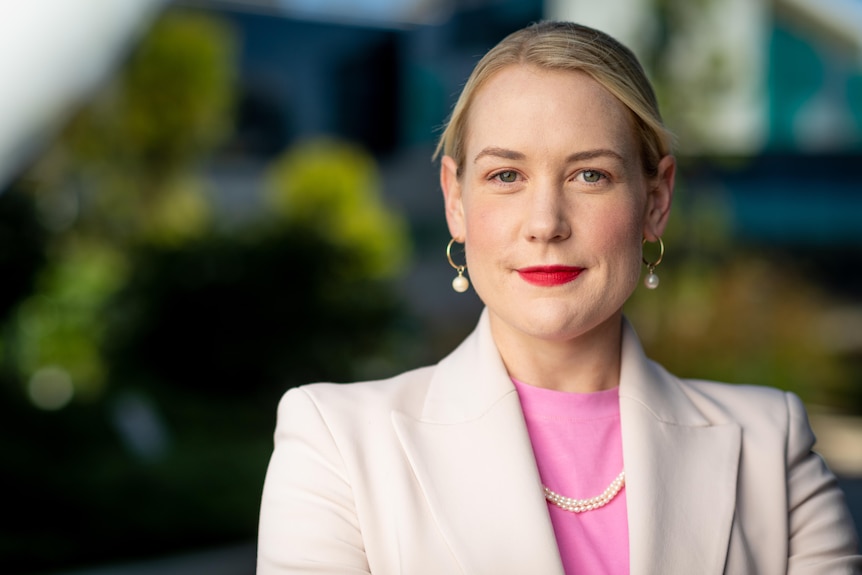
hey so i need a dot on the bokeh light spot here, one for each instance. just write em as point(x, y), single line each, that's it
point(51, 388)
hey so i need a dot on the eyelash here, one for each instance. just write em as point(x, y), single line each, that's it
point(496, 176)
point(602, 176)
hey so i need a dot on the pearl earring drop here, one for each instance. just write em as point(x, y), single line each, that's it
point(651, 280)
point(460, 284)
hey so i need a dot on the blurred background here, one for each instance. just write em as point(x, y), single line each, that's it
point(206, 202)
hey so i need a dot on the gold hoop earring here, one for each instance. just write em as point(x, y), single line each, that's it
point(460, 284)
point(651, 279)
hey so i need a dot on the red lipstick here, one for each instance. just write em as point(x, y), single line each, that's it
point(549, 275)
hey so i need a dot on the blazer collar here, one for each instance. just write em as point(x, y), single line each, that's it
point(645, 382)
point(469, 381)
point(681, 471)
point(472, 378)
point(472, 456)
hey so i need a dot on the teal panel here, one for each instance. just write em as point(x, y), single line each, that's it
point(854, 99)
point(425, 104)
point(796, 74)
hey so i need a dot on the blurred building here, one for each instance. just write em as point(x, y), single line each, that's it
point(786, 74)
point(777, 82)
point(739, 78)
point(773, 86)
point(382, 73)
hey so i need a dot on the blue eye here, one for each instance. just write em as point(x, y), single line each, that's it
point(507, 176)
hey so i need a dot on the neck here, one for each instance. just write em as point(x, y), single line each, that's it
point(587, 363)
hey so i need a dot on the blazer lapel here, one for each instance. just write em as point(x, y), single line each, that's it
point(681, 472)
point(472, 457)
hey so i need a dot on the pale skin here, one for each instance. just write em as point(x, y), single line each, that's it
point(552, 177)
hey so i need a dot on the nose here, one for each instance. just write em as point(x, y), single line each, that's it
point(546, 215)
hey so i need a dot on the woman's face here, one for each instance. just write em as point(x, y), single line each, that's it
point(552, 202)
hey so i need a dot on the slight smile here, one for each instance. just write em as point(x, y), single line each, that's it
point(549, 275)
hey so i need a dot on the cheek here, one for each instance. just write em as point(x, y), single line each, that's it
point(620, 234)
point(619, 227)
point(485, 223)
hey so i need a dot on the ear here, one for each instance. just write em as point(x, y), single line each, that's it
point(451, 186)
point(659, 198)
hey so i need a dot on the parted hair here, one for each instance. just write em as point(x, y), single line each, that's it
point(568, 46)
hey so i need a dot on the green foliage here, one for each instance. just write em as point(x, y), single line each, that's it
point(139, 286)
point(746, 321)
point(125, 162)
point(178, 92)
point(126, 288)
point(122, 174)
point(728, 313)
point(245, 316)
point(60, 325)
point(333, 188)
point(170, 105)
point(22, 249)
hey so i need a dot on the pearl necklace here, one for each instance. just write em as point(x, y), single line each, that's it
point(581, 505)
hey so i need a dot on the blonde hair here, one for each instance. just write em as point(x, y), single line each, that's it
point(568, 46)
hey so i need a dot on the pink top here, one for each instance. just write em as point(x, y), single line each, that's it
point(578, 446)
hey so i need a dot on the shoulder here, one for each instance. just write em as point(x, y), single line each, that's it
point(732, 393)
point(747, 405)
point(365, 401)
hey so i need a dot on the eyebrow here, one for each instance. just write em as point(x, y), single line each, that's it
point(577, 156)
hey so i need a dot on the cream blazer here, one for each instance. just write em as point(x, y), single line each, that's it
point(432, 472)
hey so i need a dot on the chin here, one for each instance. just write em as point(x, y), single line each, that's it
point(567, 324)
point(556, 321)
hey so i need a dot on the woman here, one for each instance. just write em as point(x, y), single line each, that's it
point(547, 442)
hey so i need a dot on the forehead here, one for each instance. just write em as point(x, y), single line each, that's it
point(524, 106)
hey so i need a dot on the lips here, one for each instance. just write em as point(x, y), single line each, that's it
point(550, 275)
